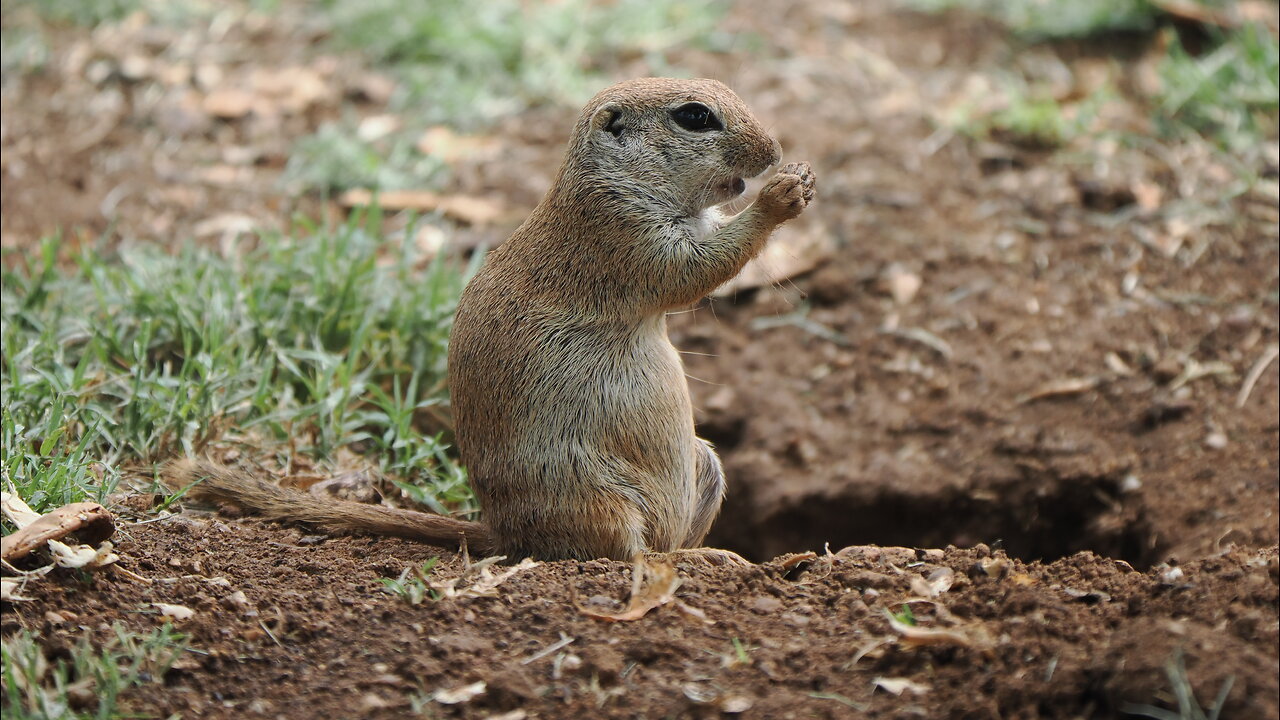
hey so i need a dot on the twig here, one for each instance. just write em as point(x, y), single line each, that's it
point(563, 641)
point(924, 337)
point(799, 318)
point(1255, 372)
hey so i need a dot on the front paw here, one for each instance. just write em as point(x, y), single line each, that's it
point(789, 192)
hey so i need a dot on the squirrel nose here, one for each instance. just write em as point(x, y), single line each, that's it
point(776, 156)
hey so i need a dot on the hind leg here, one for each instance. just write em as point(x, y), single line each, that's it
point(710, 483)
point(710, 494)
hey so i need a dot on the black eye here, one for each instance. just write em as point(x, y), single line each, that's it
point(696, 117)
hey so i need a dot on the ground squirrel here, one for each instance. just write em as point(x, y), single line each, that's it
point(571, 406)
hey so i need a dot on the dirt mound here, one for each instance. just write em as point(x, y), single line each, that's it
point(291, 625)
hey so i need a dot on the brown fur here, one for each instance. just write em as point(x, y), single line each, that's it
point(572, 411)
point(211, 481)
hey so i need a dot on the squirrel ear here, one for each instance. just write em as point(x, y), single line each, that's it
point(609, 119)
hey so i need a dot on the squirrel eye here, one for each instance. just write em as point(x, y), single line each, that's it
point(696, 117)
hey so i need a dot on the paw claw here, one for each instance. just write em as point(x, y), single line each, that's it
point(789, 191)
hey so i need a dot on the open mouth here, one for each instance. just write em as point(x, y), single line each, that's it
point(733, 187)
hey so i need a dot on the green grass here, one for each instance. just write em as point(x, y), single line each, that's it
point(92, 13)
point(336, 158)
point(412, 586)
point(23, 50)
point(88, 683)
point(466, 65)
point(1043, 19)
point(326, 339)
point(1227, 93)
point(1175, 669)
point(1230, 93)
point(1031, 117)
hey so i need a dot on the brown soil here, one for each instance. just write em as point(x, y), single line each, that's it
point(1079, 413)
point(316, 637)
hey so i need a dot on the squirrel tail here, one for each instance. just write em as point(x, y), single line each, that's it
point(211, 481)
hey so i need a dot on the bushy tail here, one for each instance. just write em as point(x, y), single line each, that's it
point(208, 480)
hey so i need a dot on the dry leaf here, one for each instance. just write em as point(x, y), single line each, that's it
point(897, 686)
point(17, 510)
point(459, 694)
point(1147, 194)
point(88, 520)
point(652, 585)
point(1061, 388)
point(916, 635)
point(462, 208)
point(792, 561)
point(902, 283)
point(9, 591)
point(451, 147)
point(376, 127)
point(693, 612)
point(486, 582)
point(938, 582)
point(228, 103)
point(1195, 370)
point(82, 556)
point(177, 613)
point(231, 224)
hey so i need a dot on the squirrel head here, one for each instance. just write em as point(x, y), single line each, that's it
point(676, 146)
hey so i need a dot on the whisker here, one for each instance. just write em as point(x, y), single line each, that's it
point(706, 382)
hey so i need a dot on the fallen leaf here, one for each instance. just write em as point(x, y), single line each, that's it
point(228, 103)
point(1117, 365)
point(897, 686)
point(733, 704)
point(462, 208)
point(916, 635)
point(176, 612)
point(459, 694)
point(227, 223)
point(1196, 370)
point(451, 147)
point(513, 715)
point(485, 583)
point(901, 283)
point(82, 556)
point(938, 582)
point(1061, 388)
point(652, 585)
point(17, 510)
point(9, 591)
point(376, 127)
point(88, 520)
point(1147, 194)
point(924, 337)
